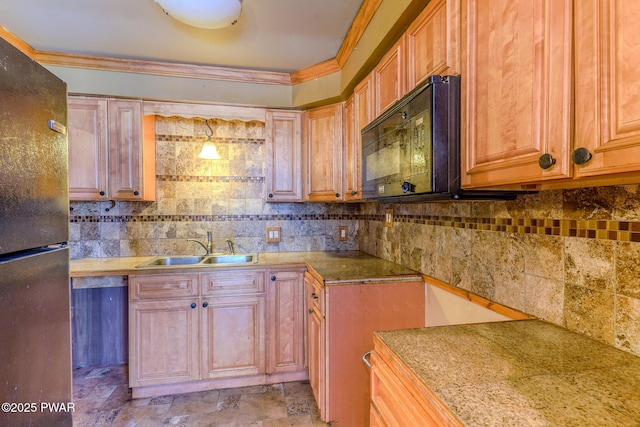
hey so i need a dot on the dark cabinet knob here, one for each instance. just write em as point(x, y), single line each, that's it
point(338, 195)
point(193, 305)
point(314, 296)
point(136, 193)
point(580, 156)
point(270, 195)
point(205, 304)
point(353, 193)
point(546, 161)
point(310, 311)
point(102, 193)
point(273, 278)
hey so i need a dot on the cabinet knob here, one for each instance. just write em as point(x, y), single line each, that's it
point(314, 296)
point(194, 305)
point(353, 192)
point(102, 193)
point(546, 161)
point(580, 156)
point(205, 304)
point(136, 193)
point(310, 311)
point(273, 278)
point(270, 195)
point(338, 195)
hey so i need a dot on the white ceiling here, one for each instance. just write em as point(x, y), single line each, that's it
point(270, 35)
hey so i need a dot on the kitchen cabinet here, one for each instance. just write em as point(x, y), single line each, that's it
point(215, 329)
point(323, 153)
point(163, 329)
point(285, 320)
point(111, 150)
point(358, 112)
point(397, 397)
point(516, 91)
point(284, 156)
point(433, 42)
point(341, 320)
point(607, 71)
point(389, 76)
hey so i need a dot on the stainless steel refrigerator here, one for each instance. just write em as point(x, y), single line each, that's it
point(35, 330)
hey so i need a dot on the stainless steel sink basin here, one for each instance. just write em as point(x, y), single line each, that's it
point(231, 259)
point(199, 261)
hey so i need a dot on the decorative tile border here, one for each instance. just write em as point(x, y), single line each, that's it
point(201, 138)
point(210, 218)
point(198, 178)
point(624, 231)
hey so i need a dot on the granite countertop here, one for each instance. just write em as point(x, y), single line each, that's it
point(334, 267)
point(522, 373)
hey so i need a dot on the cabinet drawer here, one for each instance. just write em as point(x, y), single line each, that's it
point(163, 286)
point(233, 282)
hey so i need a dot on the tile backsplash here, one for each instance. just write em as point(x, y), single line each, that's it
point(194, 196)
point(569, 257)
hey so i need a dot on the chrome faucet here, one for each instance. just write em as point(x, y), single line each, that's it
point(208, 247)
point(230, 243)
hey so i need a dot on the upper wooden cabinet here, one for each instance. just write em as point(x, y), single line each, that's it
point(433, 42)
point(323, 153)
point(389, 76)
point(607, 72)
point(516, 94)
point(284, 156)
point(111, 151)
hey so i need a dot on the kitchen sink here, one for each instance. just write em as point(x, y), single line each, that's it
point(199, 261)
point(231, 259)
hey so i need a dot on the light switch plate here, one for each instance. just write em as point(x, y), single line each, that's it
point(388, 218)
point(273, 234)
point(343, 233)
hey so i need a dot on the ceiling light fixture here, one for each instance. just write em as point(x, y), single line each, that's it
point(209, 150)
point(207, 14)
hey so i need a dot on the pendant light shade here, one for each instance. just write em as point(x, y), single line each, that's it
point(207, 14)
point(209, 150)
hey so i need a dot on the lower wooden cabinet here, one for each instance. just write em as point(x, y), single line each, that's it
point(341, 320)
point(218, 329)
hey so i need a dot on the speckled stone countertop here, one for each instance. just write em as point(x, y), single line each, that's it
point(335, 267)
point(522, 373)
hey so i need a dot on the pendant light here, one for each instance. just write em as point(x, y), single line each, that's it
point(209, 150)
point(209, 14)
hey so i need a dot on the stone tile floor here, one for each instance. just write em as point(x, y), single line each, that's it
point(103, 398)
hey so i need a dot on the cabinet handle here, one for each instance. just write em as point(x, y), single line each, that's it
point(102, 193)
point(580, 156)
point(314, 296)
point(270, 195)
point(273, 278)
point(136, 193)
point(338, 195)
point(353, 193)
point(546, 161)
point(310, 311)
point(366, 357)
point(194, 305)
point(205, 304)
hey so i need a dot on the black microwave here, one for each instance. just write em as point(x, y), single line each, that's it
point(412, 151)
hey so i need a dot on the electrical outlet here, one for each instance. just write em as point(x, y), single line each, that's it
point(388, 218)
point(343, 233)
point(273, 234)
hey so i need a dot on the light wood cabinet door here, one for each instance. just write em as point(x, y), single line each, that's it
point(163, 342)
point(390, 79)
point(607, 93)
point(285, 336)
point(111, 150)
point(284, 156)
point(364, 105)
point(88, 149)
point(433, 42)
point(516, 94)
point(323, 153)
point(233, 336)
point(316, 351)
point(352, 189)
